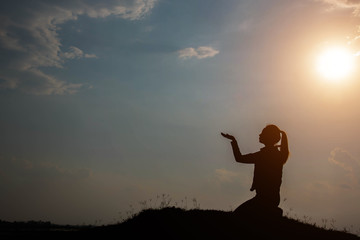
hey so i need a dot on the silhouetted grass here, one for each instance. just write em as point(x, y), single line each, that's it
point(163, 218)
point(166, 218)
point(177, 223)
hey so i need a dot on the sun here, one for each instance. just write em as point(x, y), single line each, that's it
point(335, 64)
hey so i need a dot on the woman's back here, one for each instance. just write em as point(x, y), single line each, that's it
point(268, 171)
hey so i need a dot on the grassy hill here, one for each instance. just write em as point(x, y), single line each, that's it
point(176, 223)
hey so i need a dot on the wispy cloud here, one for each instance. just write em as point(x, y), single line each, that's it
point(349, 4)
point(353, 40)
point(30, 39)
point(77, 53)
point(348, 163)
point(199, 53)
point(23, 168)
point(224, 175)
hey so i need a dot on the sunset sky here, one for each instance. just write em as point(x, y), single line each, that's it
point(108, 103)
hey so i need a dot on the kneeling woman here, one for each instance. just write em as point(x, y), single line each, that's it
point(268, 163)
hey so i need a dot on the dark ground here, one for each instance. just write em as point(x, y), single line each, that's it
point(175, 223)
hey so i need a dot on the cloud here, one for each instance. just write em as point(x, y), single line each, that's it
point(53, 169)
point(86, 55)
point(347, 4)
point(224, 175)
point(8, 82)
point(199, 53)
point(340, 175)
point(29, 39)
point(348, 163)
point(23, 168)
point(353, 40)
point(75, 52)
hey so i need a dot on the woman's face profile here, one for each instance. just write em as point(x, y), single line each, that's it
point(261, 137)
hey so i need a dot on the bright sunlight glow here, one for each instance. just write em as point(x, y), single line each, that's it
point(335, 64)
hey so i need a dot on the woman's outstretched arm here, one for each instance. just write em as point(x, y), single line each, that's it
point(236, 151)
point(284, 147)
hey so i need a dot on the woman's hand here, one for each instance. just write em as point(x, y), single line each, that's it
point(228, 136)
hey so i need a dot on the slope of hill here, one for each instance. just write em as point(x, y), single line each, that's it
point(176, 223)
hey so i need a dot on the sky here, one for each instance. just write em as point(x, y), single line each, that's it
point(106, 104)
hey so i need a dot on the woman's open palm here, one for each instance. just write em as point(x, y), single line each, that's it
point(228, 136)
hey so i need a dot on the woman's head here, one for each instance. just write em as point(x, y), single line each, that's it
point(270, 135)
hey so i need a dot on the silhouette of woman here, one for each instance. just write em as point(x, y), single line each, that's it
point(268, 163)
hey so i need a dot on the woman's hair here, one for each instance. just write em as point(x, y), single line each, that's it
point(271, 134)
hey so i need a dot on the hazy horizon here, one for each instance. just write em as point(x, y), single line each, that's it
point(108, 103)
